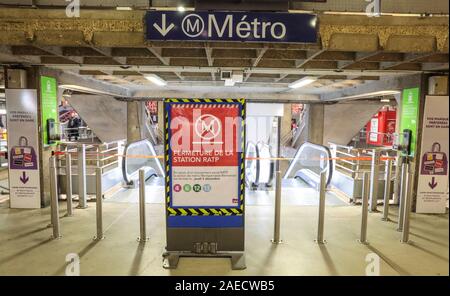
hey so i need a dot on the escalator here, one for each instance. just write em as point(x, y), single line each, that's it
point(259, 166)
point(309, 162)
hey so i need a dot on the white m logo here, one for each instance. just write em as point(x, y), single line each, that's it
point(207, 127)
point(192, 25)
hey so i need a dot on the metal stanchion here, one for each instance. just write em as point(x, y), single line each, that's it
point(69, 184)
point(374, 175)
point(143, 237)
point(99, 204)
point(387, 189)
point(407, 208)
point(54, 199)
point(403, 192)
point(321, 223)
point(365, 205)
point(81, 163)
point(397, 179)
point(276, 231)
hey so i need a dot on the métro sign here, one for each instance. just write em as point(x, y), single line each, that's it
point(231, 26)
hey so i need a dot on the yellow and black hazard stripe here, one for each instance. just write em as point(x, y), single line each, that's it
point(204, 211)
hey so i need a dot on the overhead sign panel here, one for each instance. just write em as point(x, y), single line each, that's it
point(231, 26)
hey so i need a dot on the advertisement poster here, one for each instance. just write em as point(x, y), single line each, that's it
point(23, 156)
point(49, 104)
point(432, 191)
point(410, 114)
point(205, 159)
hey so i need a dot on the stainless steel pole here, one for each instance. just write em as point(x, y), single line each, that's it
point(387, 189)
point(407, 208)
point(277, 221)
point(365, 205)
point(143, 231)
point(321, 223)
point(403, 192)
point(99, 203)
point(397, 179)
point(81, 163)
point(69, 184)
point(374, 175)
point(54, 199)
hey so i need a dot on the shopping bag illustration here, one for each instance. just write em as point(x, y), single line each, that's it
point(23, 157)
point(434, 162)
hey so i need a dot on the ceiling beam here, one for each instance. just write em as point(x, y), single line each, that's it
point(208, 52)
point(309, 57)
point(7, 56)
point(384, 84)
point(157, 52)
point(207, 69)
point(58, 51)
point(260, 54)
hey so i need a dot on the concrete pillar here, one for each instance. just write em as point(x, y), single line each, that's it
point(285, 129)
point(133, 122)
point(315, 123)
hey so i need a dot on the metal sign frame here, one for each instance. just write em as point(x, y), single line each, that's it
point(204, 231)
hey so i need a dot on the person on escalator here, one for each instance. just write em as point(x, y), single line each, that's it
point(293, 126)
point(73, 126)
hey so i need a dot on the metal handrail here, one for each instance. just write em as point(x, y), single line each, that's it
point(318, 147)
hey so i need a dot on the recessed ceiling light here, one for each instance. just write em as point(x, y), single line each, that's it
point(155, 79)
point(181, 9)
point(123, 8)
point(302, 82)
point(385, 100)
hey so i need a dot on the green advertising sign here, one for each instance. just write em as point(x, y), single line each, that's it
point(49, 105)
point(409, 118)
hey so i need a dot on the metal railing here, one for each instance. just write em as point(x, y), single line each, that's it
point(104, 155)
point(82, 133)
point(384, 139)
point(354, 162)
point(405, 205)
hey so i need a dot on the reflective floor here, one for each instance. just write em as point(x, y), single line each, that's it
point(27, 249)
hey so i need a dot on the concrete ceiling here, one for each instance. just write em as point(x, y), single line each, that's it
point(109, 46)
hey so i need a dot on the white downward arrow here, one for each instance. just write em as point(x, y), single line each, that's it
point(163, 30)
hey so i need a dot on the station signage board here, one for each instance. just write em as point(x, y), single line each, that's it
point(204, 162)
point(409, 116)
point(49, 105)
point(231, 26)
point(432, 190)
point(23, 148)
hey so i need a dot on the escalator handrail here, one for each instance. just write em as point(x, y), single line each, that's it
point(257, 160)
point(125, 174)
point(318, 147)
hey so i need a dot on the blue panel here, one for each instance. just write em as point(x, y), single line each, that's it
point(231, 26)
point(205, 221)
